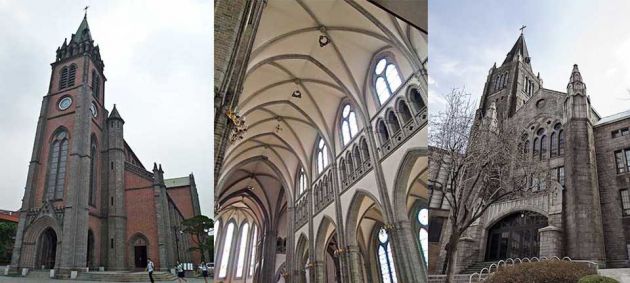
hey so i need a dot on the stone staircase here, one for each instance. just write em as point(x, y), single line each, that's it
point(478, 266)
point(38, 274)
point(125, 276)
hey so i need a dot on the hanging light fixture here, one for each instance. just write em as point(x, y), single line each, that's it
point(323, 38)
point(296, 93)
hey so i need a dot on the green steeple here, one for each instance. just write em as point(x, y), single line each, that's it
point(83, 32)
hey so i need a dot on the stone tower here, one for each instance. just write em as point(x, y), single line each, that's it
point(62, 184)
point(510, 85)
point(584, 232)
point(114, 200)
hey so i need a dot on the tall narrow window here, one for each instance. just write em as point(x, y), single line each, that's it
point(561, 143)
point(554, 145)
point(349, 127)
point(252, 261)
point(385, 260)
point(383, 133)
point(619, 161)
point(216, 227)
point(543, 147)
point(387, 79)
point(57, 166)
point(96, 84)
point(625, 201)
point(93, 175)
point(301, 182)
point(63, 78)
point(627, 151)
point(416, 100)
point(227, 246)
point(423, 234)
point(72, 74)
point(242, 247)
point(322, 156)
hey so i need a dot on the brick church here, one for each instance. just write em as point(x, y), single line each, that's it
point(89, 202)
point(580, 208)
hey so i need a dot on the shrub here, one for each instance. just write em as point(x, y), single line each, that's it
point(597, 279)
point(553, 271)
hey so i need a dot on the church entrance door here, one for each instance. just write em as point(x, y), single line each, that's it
point(140, 255)
point(47, 248)
point(515, 236)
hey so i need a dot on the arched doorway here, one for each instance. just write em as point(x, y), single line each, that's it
point(139, 252)
point(90, 249)
point(47, 249)
point(515, 236)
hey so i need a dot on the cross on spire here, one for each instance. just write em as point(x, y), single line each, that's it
point(522, 28)
point(85, 9)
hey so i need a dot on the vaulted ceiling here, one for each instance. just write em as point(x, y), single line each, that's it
point(287, 56)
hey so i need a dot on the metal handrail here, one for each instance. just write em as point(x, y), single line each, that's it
point(505, 262)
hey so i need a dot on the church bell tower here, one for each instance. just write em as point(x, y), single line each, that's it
point(62, 187)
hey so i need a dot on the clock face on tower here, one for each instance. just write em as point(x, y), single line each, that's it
point(65, 103)
point(93, 110)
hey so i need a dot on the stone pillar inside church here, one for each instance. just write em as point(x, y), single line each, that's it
point(355, 263)
point(407, 254)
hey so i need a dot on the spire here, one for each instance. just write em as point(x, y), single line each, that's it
point(575, 81)
point(115, 114)
point(519, 48)
point(83, 32)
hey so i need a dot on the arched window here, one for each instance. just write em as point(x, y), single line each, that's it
point(63, 78)
point(350, 163)
point(383, 134)
point(216, 227)
point(387, 79)
point(357, 157)
point(561, 142)
point(349, 126)
point(403, 109)
point(322, 156)
point(252, 261)
point(536, 146)
point(227, 246)
point(543, 147)
point(92, 200)
point(342, 165)
point(57, 166)
point(423, 233)
point(417, 103)
point(385, 260)
point(392, 120)
point(72, 74)
point(242, 248)
point(96, 84)
point(364, 150)
point(301, 182)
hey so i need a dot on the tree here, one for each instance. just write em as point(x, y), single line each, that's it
point(7, 238)
point(198, 227)
point(482, 162)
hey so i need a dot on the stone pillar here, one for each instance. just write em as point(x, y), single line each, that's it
point(355, 263)
point(550, 241)
point(115, 236)
point(406, 253)
point(318, 272)
point(268, 265)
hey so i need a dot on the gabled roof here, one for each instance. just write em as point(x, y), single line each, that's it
point(83, 32)
point(519, 48)
point(614, 118)
point(177, 182)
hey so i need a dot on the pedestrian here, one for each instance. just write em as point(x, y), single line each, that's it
point(150, 269)
point(180, 272)
point(204, 270)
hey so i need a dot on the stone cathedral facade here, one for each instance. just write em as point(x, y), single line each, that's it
point(580, 208)
point(88, 201)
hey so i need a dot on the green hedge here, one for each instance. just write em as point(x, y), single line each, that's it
point(552, 271)
point(597, 279)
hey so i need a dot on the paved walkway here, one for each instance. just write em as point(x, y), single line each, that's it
point(5, 279)
point(621, 274)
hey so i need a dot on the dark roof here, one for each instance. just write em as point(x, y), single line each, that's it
point(519, 48)
point(83, 32)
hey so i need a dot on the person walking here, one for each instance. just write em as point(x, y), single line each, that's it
point(204, 271)
point(180, 272)
point(150, 269)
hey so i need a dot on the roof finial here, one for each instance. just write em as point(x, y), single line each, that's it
point(86, 8)
point(522, 28)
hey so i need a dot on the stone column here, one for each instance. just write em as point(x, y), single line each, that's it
point(318, 272)
point(355, 263)
point(406, 253)
point(550, 241)
point(268, 266)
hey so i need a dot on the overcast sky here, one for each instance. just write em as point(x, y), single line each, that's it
point(158, 61)
point(467, 37)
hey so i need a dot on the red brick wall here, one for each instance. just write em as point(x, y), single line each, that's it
point(182, 199)
point(140, 206)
